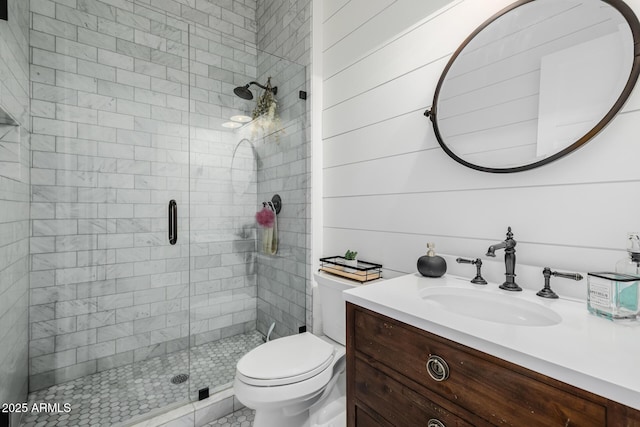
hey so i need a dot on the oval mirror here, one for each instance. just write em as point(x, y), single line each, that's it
point(535, 82)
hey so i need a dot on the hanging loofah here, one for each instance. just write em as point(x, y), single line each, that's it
point(266, 217)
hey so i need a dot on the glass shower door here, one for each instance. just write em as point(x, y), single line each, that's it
point(223, 291)
point(109, 291)
point(237, 162)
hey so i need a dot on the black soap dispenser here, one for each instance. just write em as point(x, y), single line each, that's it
point(431, 265)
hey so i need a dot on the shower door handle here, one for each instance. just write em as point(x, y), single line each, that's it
point(173, 222)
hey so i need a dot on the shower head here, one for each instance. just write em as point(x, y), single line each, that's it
point(244, 92)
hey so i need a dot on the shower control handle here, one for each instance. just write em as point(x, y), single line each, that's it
point(173, 222)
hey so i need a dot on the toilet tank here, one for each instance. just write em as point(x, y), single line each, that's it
point(332, 305)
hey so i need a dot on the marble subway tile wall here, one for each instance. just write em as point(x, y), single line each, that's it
point(14, 200)
point(284, 281)
point(222, 226)
point(119, 110)
point(223, 280)
point(110, 115)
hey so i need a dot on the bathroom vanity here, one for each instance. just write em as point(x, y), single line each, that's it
point(415, 359)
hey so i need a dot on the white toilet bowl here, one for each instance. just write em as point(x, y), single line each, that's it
point(284, 378)
point(332, 410)
point(299, 380)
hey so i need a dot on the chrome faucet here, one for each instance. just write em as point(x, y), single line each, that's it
point(509, 246)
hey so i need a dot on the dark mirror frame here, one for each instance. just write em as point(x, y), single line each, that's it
point(634, 25)
point(4, 11)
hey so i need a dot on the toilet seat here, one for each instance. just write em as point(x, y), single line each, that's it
point(285, 361)
point(286, 379)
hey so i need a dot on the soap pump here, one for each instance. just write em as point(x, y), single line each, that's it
point(631, 263)
point(431, 265)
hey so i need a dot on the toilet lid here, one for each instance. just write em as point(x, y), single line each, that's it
point(285, 360)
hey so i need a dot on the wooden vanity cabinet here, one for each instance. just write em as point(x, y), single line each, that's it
point(388, 384)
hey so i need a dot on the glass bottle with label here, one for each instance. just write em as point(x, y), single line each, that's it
point(615, 295)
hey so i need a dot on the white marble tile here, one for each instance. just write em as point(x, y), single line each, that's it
point(110, 302)
point(80, 50)
point(98, 8)
point(74, 81)
point(112, 28)
point(113, 59)
point(42, 312)
point(41, 346)
point(213, 411)
point(120, 270)
point(75, 340)
point(52, 361)
point(77, 275)
point(118, 359)
point(96, 102)
point(135, 312)
point(96, 351)
point(96, 320)
point(133, 49)
point(76, 17)
point(185, 411)
point(96, 258)
point(97, 40)
point(76, 307)
point(148, 352)
point(115, 120)
point(51, 294)
point(113, 332)
point(133, 342)
point(77, 146)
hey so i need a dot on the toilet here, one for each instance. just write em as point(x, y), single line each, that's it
point(299, 380)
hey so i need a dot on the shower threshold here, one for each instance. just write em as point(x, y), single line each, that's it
point(129, 392)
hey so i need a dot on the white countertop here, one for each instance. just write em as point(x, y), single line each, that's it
point(583, 350)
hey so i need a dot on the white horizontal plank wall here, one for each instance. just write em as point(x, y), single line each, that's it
point(329, 8)
point(389, 188)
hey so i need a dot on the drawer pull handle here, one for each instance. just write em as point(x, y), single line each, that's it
point(437, 368)
point(435, 423)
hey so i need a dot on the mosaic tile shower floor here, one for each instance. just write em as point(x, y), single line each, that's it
point(122, 393)
point(241, 418)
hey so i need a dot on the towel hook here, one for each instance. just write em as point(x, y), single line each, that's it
point(276, 201)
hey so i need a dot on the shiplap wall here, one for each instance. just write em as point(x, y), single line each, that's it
point(388, 186)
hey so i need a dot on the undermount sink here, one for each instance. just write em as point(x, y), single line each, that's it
point(490, 306)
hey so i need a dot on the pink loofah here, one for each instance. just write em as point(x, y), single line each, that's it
point(265, 217)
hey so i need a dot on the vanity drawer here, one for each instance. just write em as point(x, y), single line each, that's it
point(397, 403)
point(365, 419)
point(493, 389)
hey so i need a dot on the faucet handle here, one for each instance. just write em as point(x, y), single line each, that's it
point(478, 280)
point(573, 276)
point(546, 292)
